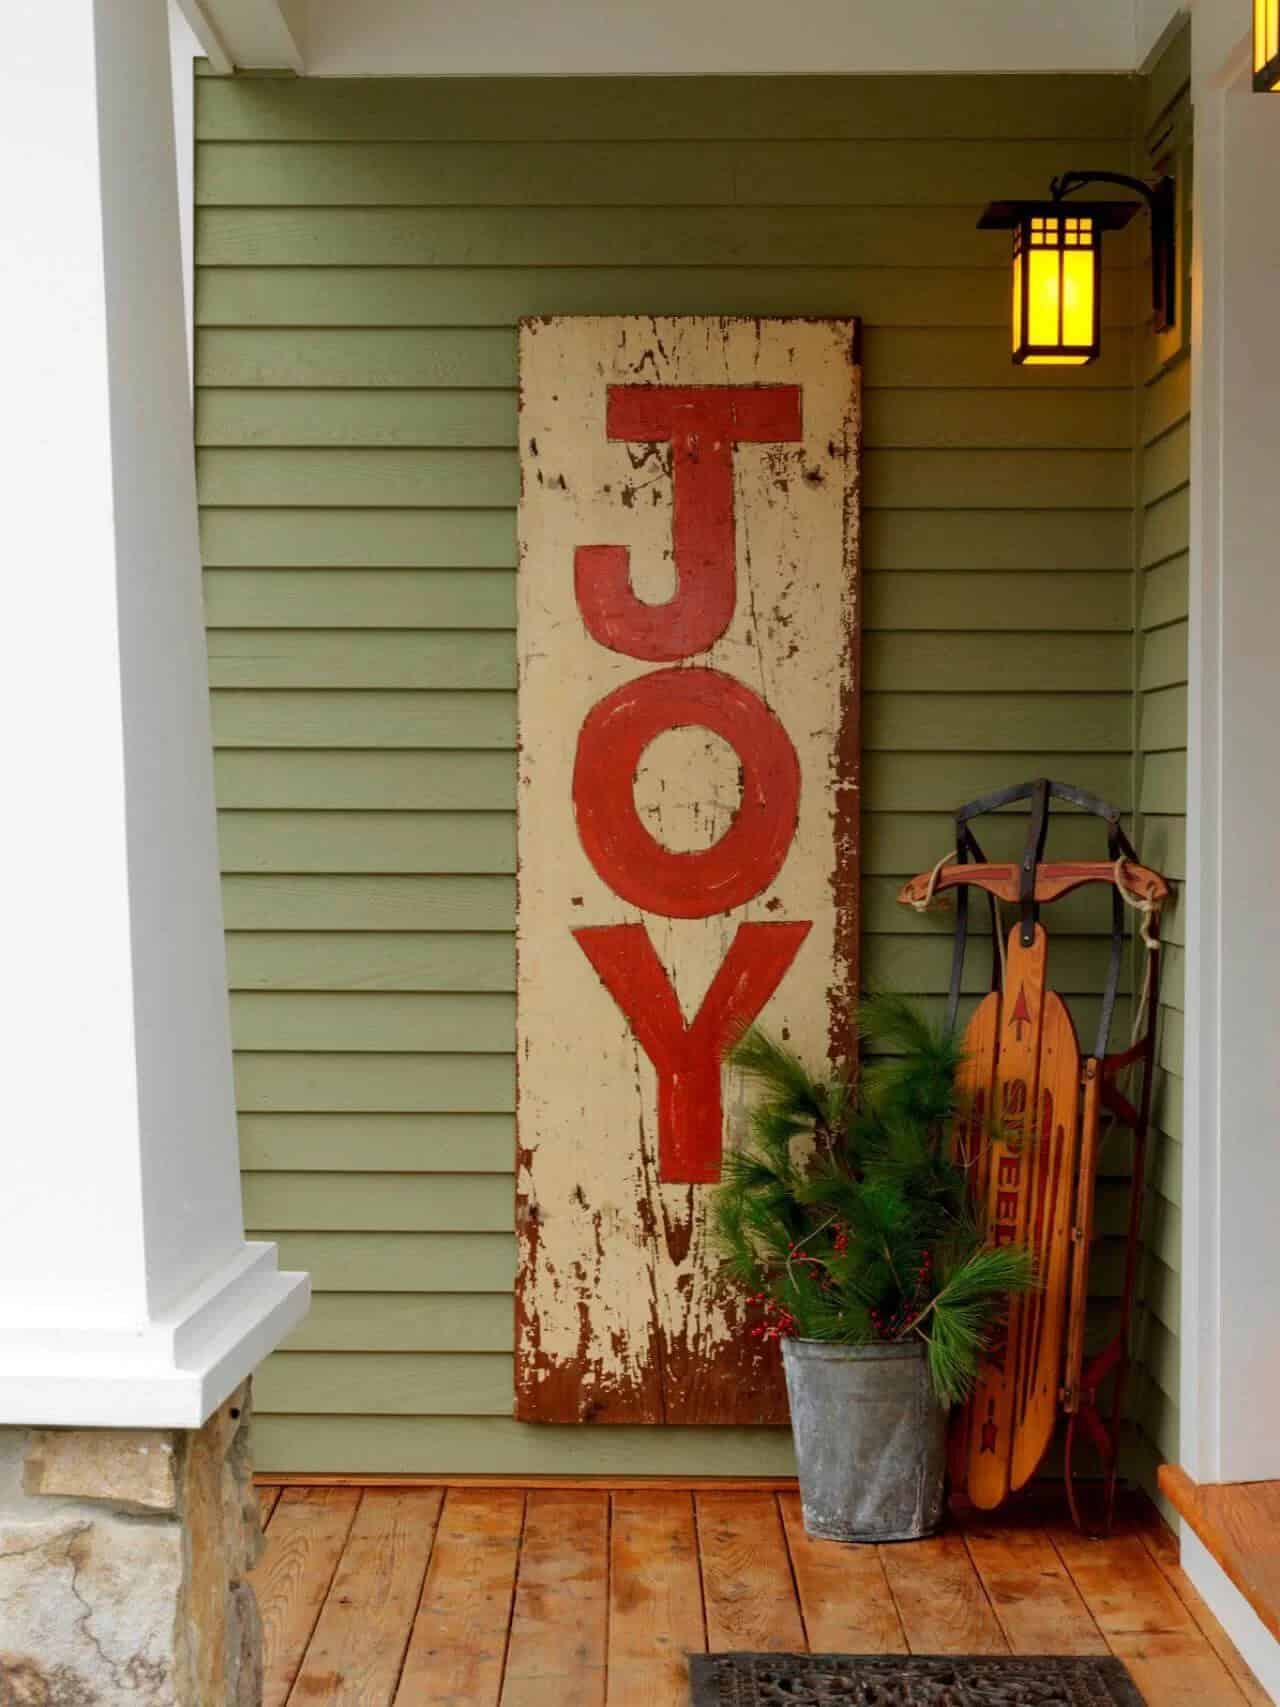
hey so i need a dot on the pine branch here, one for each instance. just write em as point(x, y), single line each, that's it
point(846, 1210)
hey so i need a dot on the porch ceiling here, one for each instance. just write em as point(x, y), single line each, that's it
point(676, 37)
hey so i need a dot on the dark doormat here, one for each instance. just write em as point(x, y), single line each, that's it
point(896, 1680)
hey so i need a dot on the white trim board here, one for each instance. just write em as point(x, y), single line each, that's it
point(248, 35)
point(184, 49)
point(405, 38)
point(1155, 24)
point(1258, 1647)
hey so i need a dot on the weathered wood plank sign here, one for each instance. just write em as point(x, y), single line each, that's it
point(688, 821)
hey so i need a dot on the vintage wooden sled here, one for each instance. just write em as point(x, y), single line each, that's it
point(1028, 1130)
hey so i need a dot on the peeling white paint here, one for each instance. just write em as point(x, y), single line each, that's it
point(609, 1290)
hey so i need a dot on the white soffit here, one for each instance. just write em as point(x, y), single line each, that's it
point(383, 38)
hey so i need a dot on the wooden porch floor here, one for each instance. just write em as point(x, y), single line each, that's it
point(587, 1596)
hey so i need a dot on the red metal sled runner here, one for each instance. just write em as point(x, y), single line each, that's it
point(1027, 1129)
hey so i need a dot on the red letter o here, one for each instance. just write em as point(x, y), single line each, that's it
point(634, 864)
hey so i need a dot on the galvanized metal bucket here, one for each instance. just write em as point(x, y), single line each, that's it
point(871, 1440)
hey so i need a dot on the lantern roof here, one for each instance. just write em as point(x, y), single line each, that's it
point(1005, 215)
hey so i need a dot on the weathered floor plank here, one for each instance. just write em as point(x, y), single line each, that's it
point(1121, 1584)
point(1145, 1622)
point(458, 1647)
point(940, 1599)
point(656, 1617)
point(355, 1656)
point(594, 1597)
point(844, 1593)
point(746, 1575)
point(309, 1528)
point(1176, 1670)
point(556, 1656)
point(1038, 1606)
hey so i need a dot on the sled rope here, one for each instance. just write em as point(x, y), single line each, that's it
point(1140, 904)
point(929, 901)
point(1149, 910)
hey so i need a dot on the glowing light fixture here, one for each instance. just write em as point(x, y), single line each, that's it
point(1266, 45)
point(1057, 265)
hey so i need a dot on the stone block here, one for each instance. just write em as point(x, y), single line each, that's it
point(244, 1648)
point(123, 1566)
point(132, 1469)
point(88, 1611)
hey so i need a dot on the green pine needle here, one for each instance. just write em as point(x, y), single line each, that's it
point(845, 1208)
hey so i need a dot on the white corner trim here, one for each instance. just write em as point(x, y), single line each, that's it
point(184, 49)
point(1257, 1645)
point(1199, 1402)
point(173, 1373)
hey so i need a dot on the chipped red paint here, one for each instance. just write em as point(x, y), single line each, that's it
point(697, 883)
point(1010, 1181)
point(688, 1057)
point(702, 424)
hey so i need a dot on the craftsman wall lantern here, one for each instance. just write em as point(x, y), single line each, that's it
point(1266, 45)
point(1057, 265)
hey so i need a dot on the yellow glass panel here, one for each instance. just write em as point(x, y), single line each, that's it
point(1266, 34)
point(1054, 361)
point(1017, 301)
point(1077, 297)
point(1044, 296)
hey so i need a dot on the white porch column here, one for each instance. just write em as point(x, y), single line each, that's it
point(1231, 1187)
point(1231, 1377)
point(128, 1295)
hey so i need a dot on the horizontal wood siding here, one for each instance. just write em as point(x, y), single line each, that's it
point(1164, 538)
point(364, 251)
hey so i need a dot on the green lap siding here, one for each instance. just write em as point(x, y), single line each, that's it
point(364, 250)
point(1164, 410)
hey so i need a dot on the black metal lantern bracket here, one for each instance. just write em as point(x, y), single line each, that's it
point(1161, 202)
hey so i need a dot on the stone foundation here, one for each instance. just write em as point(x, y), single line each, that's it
point(124, 1555)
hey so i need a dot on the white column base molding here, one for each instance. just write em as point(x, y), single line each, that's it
point(170, 1372)
point(1258, 1646)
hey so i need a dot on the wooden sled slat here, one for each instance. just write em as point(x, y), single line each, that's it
point(1049, 1238)
point(1008, 1210)
point(1053, 881)
point(969, 1147)
point(973, 1094)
